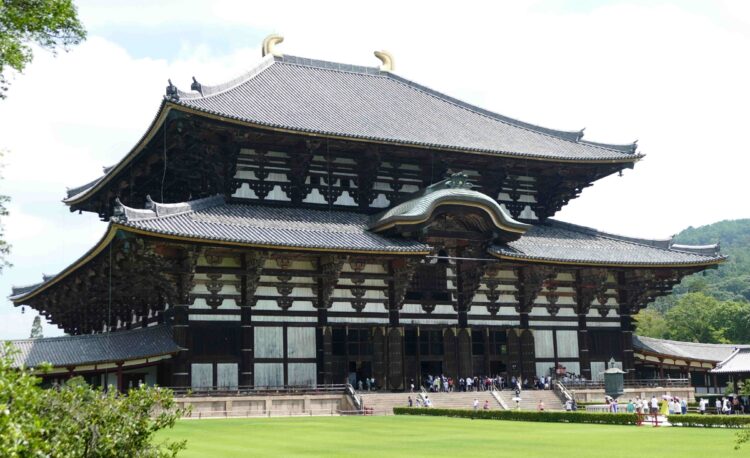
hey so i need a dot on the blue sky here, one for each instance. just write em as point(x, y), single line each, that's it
point(671, 74)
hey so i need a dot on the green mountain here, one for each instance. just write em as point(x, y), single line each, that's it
point(731, 281)
point(712, 306)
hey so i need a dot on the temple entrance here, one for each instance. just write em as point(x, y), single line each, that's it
point(359, 371)
point(433, 368)
point(497, 368)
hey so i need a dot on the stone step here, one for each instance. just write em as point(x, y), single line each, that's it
point(530, 400)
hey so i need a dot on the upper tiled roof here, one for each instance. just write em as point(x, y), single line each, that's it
point(95, 348)
point(327, 98)
point(737, 362)
point(213, 219)
point(686, 350)
point(555, 241)
point(364, 103)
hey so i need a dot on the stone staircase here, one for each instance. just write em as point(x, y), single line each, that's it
point(463, 400)
point(383, 403)
point(530, 399)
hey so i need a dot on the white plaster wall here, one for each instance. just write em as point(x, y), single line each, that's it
point(268, 342)
point(300, 342)
point(567, 344)
point(302, 374)
point(269, 374)
point(227, 375)
point(201, 375)
point(543, 346)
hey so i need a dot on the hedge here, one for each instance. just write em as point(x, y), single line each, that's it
point(522, 415)
point(710, 421)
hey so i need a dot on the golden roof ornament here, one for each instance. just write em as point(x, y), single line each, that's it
point(387, 59)
point(269, 45)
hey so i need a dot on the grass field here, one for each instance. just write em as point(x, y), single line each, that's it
point(454, 437)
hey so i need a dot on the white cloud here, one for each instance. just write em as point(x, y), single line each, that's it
point(673, 78)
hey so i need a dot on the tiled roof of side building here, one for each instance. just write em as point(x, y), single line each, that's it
point(282, 227)
point(327, 98)
point(684, 350)
point(558, 242)
point(737, 362)
point(95, 348)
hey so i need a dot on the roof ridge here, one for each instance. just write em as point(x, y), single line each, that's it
point(565, 135)
point(682, 342)
point(708, 251)
point(651, 243)
point(200, 91)
point(87, 336)
point(157, 210)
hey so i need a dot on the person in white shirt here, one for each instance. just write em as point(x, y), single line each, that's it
point(654, 405)
point(476, 404)
point(702, 406)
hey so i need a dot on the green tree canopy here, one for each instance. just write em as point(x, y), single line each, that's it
point(50, 24)
point(698, 317)
point(75, 420)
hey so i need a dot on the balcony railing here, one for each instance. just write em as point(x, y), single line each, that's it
point(255, 390)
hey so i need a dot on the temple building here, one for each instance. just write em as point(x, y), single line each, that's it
point(312, 222)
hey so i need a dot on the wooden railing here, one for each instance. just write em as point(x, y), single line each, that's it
point(254, 390)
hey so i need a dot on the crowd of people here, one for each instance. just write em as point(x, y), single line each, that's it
point(443, 384)
point(725, 406)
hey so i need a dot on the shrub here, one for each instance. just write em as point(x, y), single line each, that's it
point(75, 420)
point(710, 421)
point(521, 415)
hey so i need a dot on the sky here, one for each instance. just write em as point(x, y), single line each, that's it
point(672, 75)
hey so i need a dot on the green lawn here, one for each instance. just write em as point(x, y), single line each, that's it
point(454, 437)
point(434, 436)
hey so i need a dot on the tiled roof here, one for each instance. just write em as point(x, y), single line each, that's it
point(314, 96)
point(555, 241)
point(737, 362)
point(95, 348)
point(213, 219)
point(327, 98)
point(686, 350)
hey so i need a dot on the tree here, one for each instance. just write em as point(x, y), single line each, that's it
point(75, 420)
point(651, 323)
point(4, 246)
point(36, 328)
point(50, 24)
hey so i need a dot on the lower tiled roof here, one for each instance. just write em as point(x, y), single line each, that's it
point(555, 241)
point(684, 350)
point(213, 219)
point(95, 348)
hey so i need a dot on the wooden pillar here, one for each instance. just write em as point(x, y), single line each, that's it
point(628, 355)
point(324, 350)
point(120, 386)
point(462, 307)
point(396, 379)
point(180, 330)
point(583, 347)
point(247, 347)
point(464, 352)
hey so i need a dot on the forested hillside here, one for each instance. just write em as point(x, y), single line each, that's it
point(713, 306)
